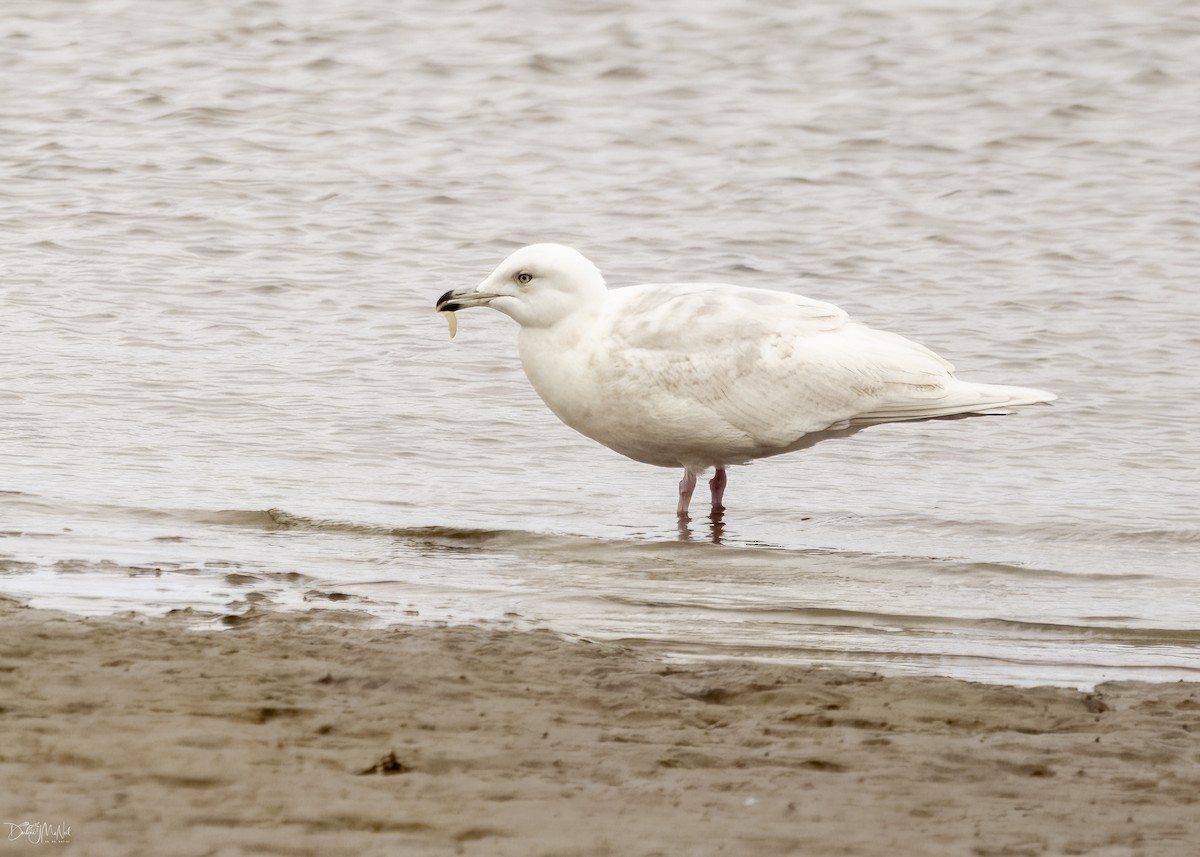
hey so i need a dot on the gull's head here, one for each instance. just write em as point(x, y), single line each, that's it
point(536, 286)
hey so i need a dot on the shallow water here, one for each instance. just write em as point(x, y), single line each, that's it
point(224, 386)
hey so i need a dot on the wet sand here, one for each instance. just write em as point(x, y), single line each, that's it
point(315, 734)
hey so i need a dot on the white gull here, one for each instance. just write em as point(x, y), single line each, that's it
point(708, 375)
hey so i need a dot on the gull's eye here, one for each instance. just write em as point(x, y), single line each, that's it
point(524, 278)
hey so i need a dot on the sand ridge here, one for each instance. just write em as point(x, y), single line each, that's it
point(315, 734)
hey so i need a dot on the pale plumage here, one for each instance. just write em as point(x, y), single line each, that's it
point(704, 375)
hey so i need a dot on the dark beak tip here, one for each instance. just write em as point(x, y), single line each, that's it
point(444, 299)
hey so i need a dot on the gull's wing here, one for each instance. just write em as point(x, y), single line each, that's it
point(762, 369)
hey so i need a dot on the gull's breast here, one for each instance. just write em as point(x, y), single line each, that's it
point(605, 396)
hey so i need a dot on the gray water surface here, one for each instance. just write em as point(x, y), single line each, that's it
point(222, 384)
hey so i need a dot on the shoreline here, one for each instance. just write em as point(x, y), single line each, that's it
point(310, 733)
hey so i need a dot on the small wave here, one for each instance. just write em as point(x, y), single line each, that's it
point(12, 566)
point(1082, 530)
point(255, 519)
point(1187, 535)
point(1105, 628)
point(278, 519)
point(1041, 572)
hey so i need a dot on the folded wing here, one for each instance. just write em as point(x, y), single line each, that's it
point(764, 369)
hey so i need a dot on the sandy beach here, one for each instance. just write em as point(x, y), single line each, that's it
point(314, 734)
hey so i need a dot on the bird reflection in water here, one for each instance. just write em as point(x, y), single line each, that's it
point(716, 528)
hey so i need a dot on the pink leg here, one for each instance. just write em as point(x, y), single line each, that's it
point(686, 486)
point(717, 486)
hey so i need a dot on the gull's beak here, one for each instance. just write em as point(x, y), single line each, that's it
point(457, 299)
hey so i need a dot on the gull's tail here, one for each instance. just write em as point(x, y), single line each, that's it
point(953, 399)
